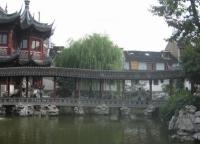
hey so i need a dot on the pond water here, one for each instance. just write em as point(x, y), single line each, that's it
point(81, 130)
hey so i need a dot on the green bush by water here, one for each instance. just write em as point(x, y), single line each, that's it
point(177, 101)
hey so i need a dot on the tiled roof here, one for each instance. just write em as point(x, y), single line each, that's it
point(7, 18)
point(149, 56)
point(26, 20)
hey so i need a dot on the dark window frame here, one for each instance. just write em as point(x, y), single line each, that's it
point(22, 44)
point(36, 48)
point(155, 82)
point(2, 41)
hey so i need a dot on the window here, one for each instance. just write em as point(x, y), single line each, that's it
point(155, 82)
point(3, 39)
point(142, 66)
point(150, 66)
point(35, 45)
point(160, 66)
point(24, 44)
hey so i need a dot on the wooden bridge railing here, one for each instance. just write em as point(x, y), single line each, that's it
point(78, 102)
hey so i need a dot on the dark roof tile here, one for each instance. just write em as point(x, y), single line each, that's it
point(149, 56)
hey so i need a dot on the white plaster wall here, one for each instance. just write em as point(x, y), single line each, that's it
point(187, 84)
point(155, 88)
point(3, 89)
point(48, 83)
point(160, 85)
point(126, 65)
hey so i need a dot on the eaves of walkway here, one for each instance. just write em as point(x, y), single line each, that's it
point(90, 74)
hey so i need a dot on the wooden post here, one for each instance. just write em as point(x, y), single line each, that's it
point(26, 86)
point(170, 87)
point(150, 89)
point(10, 43)
point(192, 86)
point(77, 91)
point(20, 87)
point(8, 86)
point(101, 88)
point(123, 89)
point(54, 86)
point(0, 87)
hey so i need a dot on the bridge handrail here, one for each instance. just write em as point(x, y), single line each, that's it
point(77, 102)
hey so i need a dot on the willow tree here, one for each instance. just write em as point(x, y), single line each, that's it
point(91, 52)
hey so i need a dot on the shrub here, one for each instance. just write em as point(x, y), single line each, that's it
point(177, 101)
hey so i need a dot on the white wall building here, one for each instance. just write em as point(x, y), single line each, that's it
point(149, 61)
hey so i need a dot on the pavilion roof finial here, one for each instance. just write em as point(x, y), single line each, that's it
point(6, 8)
point(26, 4)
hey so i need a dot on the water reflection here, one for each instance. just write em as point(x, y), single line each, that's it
point(81, 130)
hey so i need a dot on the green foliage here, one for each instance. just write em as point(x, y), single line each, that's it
point(191, 62)
point(92, 52)
point(182, 15)
point(176, 102)
point(66, 87)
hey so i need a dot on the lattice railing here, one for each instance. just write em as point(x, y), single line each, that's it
point(78, 102)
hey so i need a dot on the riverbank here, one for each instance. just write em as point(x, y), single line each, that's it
point(181, 114)
point(185, 125)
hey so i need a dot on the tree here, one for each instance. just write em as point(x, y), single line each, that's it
point(191, 63)
point(91, 52)
point(183, 16)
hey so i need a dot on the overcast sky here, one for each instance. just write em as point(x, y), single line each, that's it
point(128, 23)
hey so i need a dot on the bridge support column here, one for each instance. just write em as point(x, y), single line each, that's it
point(101, 88)
point(26, 86)
point(20, 86)
point(150, 89)
point(0, 88)
point(54, 86)
point(8, 86)
point(192, 87)
point(123, 89)
point(77, 89)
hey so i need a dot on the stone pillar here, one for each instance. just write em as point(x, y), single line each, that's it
point(150, 89)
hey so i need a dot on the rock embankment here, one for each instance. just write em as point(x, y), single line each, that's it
point(185, 125)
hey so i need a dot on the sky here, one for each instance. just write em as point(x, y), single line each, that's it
point(128, 23)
